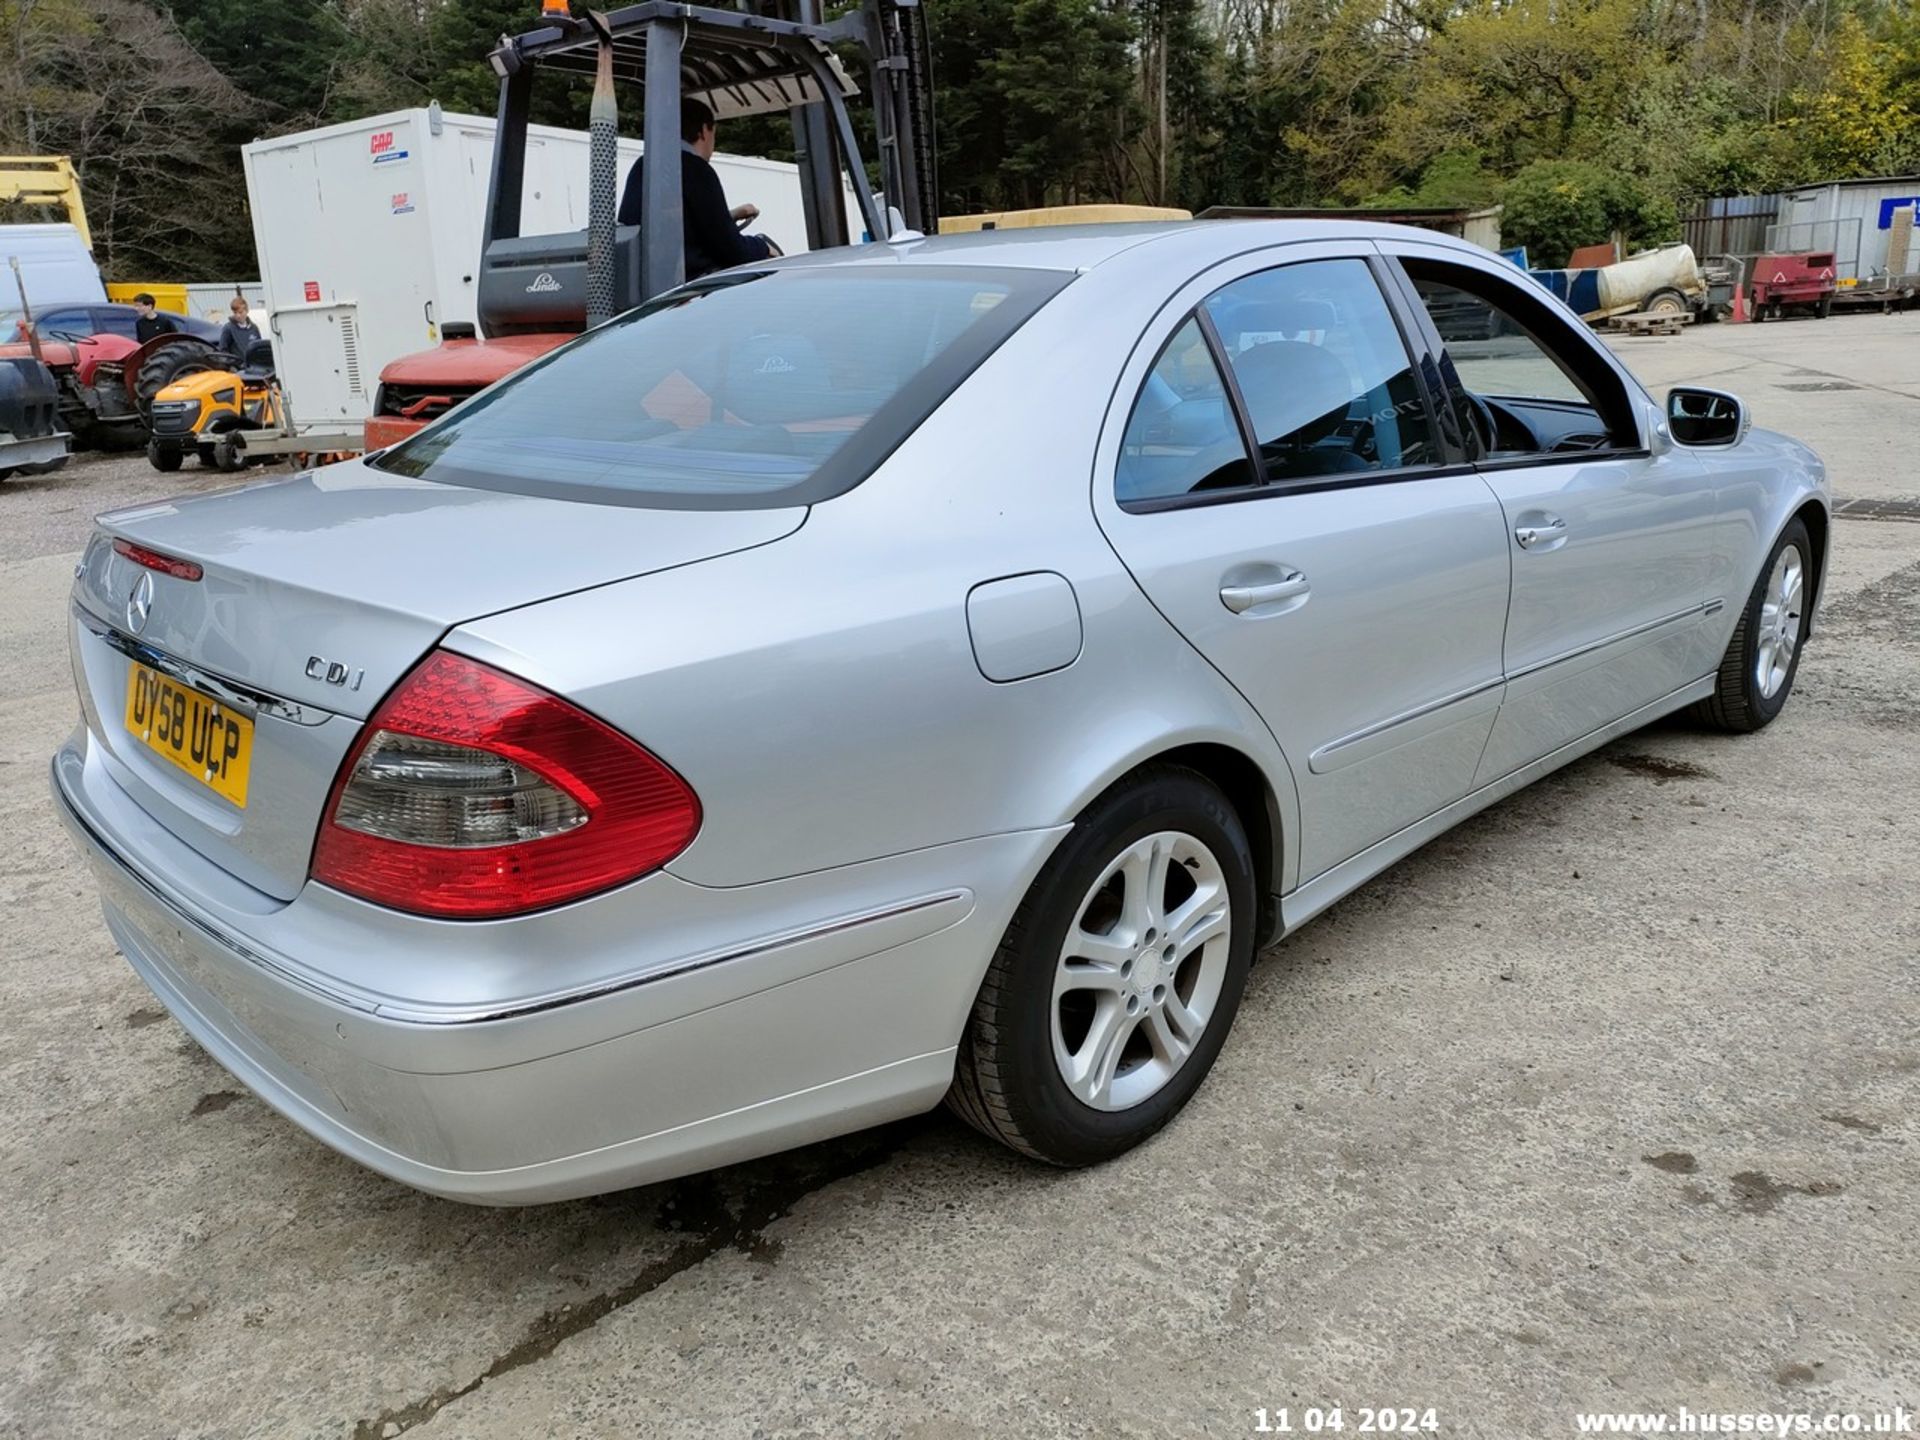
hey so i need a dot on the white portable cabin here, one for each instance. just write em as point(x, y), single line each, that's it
point(369, 235)
point(1870, 224)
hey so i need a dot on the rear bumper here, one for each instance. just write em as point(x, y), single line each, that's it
point(779, 1039)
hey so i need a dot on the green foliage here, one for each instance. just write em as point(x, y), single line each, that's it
point(1555, 206)
point(1456, 180)
point(282, 54)
point(1031, 92)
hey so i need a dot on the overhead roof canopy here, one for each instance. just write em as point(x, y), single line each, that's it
point(738, 63)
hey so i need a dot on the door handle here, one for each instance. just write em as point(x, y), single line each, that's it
point(1542, 535)
point(1241, 598)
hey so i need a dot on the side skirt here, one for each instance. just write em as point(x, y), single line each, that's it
point(1323, 890)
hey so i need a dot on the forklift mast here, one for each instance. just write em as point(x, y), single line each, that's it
point(759, 57)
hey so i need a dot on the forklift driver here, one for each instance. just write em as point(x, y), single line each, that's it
point(713, 242)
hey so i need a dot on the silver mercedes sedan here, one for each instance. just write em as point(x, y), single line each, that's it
point(913, 672)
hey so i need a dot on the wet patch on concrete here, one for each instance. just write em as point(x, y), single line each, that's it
point(146, 1015)
point(1660, 768)
point(1674, 1162)
point(1757, 1193)
point(1790, 1375)
point(696, 1207)
point(214, 1103)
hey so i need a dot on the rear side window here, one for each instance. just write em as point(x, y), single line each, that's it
point(1328, 385)
point(1183, 437)
point(761, 389)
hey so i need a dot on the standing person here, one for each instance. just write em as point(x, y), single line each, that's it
point(151, 321)
point(713, 239)
point(239, 333)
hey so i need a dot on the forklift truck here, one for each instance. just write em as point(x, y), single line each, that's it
point(535, 292)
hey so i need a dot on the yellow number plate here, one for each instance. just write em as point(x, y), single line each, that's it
point(209, 741)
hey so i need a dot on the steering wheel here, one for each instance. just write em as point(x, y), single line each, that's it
point(1486, 428)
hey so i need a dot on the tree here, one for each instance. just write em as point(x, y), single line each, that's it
point(284, 55)
point(148, 123)
point(1555, 206)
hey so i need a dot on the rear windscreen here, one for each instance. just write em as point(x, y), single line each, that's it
point(757, 389)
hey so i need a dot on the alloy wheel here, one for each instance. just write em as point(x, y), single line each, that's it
point(1779, 624)
point(1141, 970)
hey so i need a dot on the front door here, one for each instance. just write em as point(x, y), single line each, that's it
point(1611, 545)
point(1280, 493)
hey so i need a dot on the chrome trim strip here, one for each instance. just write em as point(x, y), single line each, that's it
point(513, 1010)
point(1331, 749)
point(509, 1010)
point(1692, 612)
point(1713, 607)
point(257, 702)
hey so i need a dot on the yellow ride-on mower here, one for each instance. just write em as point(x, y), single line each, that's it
point(196, 414)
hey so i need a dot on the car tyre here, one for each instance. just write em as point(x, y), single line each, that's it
point(1139, 1003)
point(1756, 674)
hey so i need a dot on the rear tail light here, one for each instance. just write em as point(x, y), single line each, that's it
point(474, 795)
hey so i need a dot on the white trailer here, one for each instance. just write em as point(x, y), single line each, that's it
point(369, 235)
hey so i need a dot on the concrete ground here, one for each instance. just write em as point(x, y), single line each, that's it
point(1610, 1098)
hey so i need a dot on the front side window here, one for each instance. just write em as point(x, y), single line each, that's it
point(754, 390)
point(1325, 376)
point(78, 323)
point(1517, 389)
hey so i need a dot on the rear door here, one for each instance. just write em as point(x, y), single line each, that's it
point(1272, 475)
point(1611, 545)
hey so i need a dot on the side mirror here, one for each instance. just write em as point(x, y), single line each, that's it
point(1705, 418)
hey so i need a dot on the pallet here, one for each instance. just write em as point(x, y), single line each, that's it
point(1646, 323)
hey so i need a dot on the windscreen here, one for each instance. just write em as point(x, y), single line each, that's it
point(756, 389)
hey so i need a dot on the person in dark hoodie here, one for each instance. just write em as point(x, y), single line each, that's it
point(713, 238)
point(239, 334)
point(150, 322)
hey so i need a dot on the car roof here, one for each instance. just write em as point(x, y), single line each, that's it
point(1082, 247)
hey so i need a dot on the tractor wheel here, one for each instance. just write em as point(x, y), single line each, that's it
point(1824, 308)
point(164, 458)
point(170, 363)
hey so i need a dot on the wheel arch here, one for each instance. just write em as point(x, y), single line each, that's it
point(1251, 793)
point(1813, 514)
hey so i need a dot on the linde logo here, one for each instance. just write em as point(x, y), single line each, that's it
point(543, 284)
point(774, 365)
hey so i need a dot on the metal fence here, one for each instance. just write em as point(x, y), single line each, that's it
point(1724, 234)
point(1842, 237)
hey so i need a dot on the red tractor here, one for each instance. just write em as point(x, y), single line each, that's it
point(106, 382)
point(536, 292)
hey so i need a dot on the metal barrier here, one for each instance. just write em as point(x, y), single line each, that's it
point(1841, 237)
